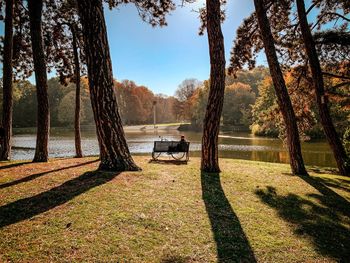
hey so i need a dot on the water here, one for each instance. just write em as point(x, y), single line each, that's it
point(238, 145)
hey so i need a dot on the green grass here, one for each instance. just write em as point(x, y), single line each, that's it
point(65, 211)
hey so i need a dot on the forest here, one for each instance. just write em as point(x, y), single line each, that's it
point(135, 104)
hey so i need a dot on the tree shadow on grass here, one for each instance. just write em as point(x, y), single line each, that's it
point(323, 221)
point(173, 162)
point(319, 170)
point(28, 207)
point(12, 165)
point(231, 241)
point(328, 197)
point(340, 184)
point(175, 259)
point(34, 176)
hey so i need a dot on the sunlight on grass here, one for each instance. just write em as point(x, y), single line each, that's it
point(171, 213)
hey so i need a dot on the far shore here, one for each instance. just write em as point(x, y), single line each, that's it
point(127, 128)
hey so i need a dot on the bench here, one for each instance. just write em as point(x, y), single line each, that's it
point(177, 149)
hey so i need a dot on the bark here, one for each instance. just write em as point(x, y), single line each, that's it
point(114, 151)
point(43, 118)
point(5, 151)
point(283, 99)
point(211, 125)
point(321, 99)
point(77, 133)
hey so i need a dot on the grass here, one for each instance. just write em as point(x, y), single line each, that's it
point(66, 211)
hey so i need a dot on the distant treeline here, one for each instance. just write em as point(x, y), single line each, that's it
point(250, 103)
point(135, 104)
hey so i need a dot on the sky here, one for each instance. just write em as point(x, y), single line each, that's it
point(161, 58)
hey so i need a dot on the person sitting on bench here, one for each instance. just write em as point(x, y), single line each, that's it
point(181, 147)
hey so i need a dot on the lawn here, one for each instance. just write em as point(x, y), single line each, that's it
point(65, 211)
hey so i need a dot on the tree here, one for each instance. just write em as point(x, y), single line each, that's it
point(43, 114)
point(65, 57)
point(146, 98)
point(199, 106)
point(284, 102)
point(56, 41)
point(184, 93)
point(210, 158)
point(135, 113)
point(186, 89)
point(164, 107)
point(251, 77)
point(134, 102)
point(332, 45)
point(66, 108)
point(77, 133)
point(267, 117)
point(25, 105)
point(5, 151)
point(55, 52)
point(266, 114)
point(321, 99)
point(237, 104)
point(114, 152)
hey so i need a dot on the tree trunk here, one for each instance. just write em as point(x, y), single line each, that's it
point(77, 134)
point(43, 118)
point(211, 125)
point(321, 99)
point(5, 151)
point(114, 151)
point(283, 99)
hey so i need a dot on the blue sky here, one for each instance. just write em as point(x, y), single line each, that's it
point(161, 58)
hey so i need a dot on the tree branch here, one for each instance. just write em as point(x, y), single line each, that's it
point(335, 75)
point(341, 85)
point(339, 15)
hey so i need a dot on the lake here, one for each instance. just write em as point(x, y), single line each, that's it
point(238, 145)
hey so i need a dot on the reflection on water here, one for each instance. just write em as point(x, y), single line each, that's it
point(231, 145)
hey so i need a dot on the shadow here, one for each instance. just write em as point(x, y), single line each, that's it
point(34, 176)
point(28, 207)
point(231, 241)
point(329, 197)
point(324, 170)
point(13, 165)
point(173, 162)
point(340, 184)
point(327, 229)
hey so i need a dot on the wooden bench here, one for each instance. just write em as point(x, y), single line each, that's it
point(177, 149)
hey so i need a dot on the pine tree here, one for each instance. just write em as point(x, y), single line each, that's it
point(5, 150)
point(211, 125)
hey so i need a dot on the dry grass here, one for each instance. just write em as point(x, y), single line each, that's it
point(65, 211)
